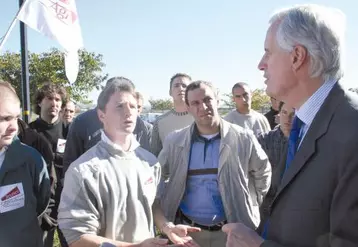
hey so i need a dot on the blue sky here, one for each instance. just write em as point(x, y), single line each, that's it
point(149, 41)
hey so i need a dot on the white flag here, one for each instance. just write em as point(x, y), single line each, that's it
point(58, 20)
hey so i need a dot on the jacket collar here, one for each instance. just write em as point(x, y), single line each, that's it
point(192, 131)
point(14, 158)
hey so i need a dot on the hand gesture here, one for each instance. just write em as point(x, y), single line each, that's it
point(154, 242)
point(178, 234)
point(240, 235)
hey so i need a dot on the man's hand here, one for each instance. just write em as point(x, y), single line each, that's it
point(154, 242)
point(178, 234)
point(240, 235)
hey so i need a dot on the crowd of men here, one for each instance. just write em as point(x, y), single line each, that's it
point(284, 179)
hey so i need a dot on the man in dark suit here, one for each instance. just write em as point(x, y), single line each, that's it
point(316, 199)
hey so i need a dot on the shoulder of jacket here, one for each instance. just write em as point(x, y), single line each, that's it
point(163, 116)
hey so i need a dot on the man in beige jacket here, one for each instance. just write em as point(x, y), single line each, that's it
point(213, 172)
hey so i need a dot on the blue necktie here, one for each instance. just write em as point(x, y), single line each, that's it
point(293, 143)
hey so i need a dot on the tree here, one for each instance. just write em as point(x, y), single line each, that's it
point(161, 104)
point(259, 100)
point(49, 66)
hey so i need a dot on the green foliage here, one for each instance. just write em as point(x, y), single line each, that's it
point(49, 66)
point(259, 100)
point(161, 104)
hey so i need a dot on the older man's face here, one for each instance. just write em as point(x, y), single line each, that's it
point(277, 66)
point(69, 112)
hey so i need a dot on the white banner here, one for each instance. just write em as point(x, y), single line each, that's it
point(58, 20)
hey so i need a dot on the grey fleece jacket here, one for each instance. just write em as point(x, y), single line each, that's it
point(109, 193)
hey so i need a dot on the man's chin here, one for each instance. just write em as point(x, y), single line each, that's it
point(6, 141)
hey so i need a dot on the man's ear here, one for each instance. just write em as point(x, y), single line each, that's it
point(100, 115)
point(298, 56)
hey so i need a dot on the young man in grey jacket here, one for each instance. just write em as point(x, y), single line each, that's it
point(24, 181)
point(213, 172)
point(109, 191)
point(85, 132)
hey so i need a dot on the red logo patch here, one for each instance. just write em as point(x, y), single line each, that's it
point(14, 192)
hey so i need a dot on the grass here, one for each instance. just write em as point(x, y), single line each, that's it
point(56, 242)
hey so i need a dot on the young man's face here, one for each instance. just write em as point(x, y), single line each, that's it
point(287, 114)
point(242, 99)
point(177, 90)
point(51, 106)
point(120, 114)
point(9, 113)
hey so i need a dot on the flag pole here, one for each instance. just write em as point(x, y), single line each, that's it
point(8, 31)
point(25, 85)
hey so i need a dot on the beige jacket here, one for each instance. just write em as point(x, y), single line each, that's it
point(244, 174)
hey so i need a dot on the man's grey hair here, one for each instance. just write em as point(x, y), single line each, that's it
point(110, 89)
point(320, 30)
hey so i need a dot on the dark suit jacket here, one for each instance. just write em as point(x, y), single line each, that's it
point(316, 203)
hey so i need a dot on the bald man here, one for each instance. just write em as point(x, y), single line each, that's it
point(24, 181)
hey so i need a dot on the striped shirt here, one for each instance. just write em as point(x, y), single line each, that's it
point(309, 109)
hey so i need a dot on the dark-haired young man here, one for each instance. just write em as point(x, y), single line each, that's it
point(49, 101)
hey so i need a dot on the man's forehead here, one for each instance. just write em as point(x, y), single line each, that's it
point(181, 79)
point(70, 106)
point(287, 108)
point(119, 97)
point(201, 92)
point(270, 35)
point(241, 90)
point(53, 95)
point(10, 109)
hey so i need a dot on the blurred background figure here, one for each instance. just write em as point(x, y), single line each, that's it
point(273, 113)
point(67, 115)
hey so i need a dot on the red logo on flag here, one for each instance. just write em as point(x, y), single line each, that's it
point(62, 12)
point(14, 192)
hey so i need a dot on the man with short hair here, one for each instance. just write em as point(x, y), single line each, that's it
point(244, 115)
point(274, 143)
point(316, 200)
point(143, 129)
point(175, 119)
point(213, 172)
point(67, 115)
point(109, 191)
point(49, 100)
point(272, 114)
point(85, 132)
point(24, 181)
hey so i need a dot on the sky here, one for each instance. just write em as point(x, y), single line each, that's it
point(149, 41)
